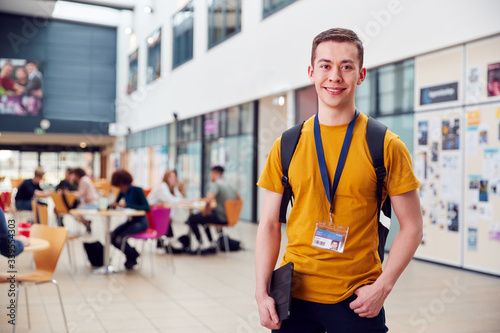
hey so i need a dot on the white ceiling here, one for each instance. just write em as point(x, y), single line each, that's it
point(103, 12)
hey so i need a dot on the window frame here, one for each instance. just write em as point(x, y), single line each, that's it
point(268, 8)
point(179, 31)
point(211, 21)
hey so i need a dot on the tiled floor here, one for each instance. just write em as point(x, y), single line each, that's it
point(215, 294)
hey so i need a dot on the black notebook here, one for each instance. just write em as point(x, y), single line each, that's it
point(281, 290)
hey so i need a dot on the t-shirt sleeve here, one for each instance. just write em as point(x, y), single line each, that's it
point(401, 178)
point(213, 187)
point(270, 179)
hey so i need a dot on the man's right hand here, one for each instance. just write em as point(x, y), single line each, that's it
point(267, 312)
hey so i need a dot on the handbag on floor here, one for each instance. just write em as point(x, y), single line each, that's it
point(95, 253)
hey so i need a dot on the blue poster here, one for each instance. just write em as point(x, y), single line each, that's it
point(472, 239)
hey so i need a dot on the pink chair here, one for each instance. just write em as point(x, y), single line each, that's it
point(161, 220)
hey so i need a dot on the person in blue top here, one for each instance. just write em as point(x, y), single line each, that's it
point(135, 199)
point(30, 189)
point(5, 240)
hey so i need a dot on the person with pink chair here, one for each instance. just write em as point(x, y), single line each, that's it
point(135, 199)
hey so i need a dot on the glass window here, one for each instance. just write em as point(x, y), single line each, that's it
point(395, 87)
point(211, 126)
point(189, 129)
point(236, 155)
point(188, 166)
point(29, 162)
point(49, 161)
point(247, 113)
point(154, 56)
point(9, 163)
point(183, 35)
point(272, 6)
point(132, 71)
point(224, 20)
point(233, 120)
point(366, 93)
point(155, 136)
point(135, 140)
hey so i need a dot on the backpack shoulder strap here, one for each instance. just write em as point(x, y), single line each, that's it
point(289, 140)
point(375, 134)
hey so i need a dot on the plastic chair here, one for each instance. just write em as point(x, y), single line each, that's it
point(63, 202)
point(233, 210)
point(161, 220)
point(40, 212)
point(45, 263)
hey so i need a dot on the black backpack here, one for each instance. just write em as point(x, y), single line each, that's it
point(375, 134)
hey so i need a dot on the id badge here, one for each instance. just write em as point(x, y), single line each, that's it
point(330, 237)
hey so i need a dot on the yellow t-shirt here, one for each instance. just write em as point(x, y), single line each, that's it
point(325, 276)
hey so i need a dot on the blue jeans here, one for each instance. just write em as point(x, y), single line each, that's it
point(136, 225)
point(23, 205)
point(310, 317)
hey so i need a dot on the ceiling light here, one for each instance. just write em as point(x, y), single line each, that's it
point(83, 145)
point(128, 30)
point(148, 10)
point(150, 40)
point(44, 124)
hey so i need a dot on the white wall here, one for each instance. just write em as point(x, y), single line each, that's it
point(271, 55)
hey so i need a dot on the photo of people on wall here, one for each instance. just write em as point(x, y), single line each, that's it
point(494, 80)
point(20, 87)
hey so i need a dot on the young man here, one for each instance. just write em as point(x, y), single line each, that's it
point(220, 191)
point(335, 290)
point(30, 189)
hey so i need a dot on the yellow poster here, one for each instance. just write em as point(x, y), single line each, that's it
point(474, 117)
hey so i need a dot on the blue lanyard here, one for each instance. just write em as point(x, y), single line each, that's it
point(340, 165)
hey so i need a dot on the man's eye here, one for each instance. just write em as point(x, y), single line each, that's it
point(346, 67)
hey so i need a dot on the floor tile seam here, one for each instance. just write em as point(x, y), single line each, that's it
point(139, 309)
point(85, 301)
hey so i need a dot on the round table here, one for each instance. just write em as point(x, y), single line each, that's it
point(107, 268)
point(36, 244)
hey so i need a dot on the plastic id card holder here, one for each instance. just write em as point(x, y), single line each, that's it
point(330, 237)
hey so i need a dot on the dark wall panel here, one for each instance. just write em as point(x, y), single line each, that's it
point(78, 62)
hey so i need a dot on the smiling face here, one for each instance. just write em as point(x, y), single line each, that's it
point(30, 67)
point(335, 73)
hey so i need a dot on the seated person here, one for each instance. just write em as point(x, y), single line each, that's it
point(5, 238)
point(29, 189)
point(67, 184)
point(220, 190)
point(167, 193)
point(134, 198)
point(87, 193)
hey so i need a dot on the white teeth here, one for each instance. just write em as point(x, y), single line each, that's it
point(333, 90)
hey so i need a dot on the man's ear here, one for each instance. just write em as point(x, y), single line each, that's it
point(362, 75)
point(310, 73)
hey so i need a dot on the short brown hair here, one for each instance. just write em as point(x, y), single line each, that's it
point(79, 172)
point(121, 177)
point(39, 172)
point(338, 35)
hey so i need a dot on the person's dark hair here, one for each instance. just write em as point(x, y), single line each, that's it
point(69, 170)
point(218, 169)
point(31, 62)
point(338, 35)
point(121, 177)
point(79, 172)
